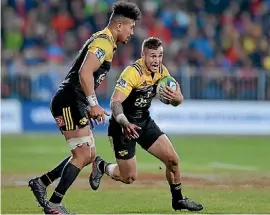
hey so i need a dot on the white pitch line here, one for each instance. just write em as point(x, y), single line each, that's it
point(219, 165)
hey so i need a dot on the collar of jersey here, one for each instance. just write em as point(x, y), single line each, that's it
point(144, 69)
point(107, 30)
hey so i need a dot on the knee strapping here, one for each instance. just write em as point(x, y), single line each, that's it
point(78, 141)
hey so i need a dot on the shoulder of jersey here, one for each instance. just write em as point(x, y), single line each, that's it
point(138, 67)
point(104, 35)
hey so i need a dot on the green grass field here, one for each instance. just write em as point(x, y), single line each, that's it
point(227, 174)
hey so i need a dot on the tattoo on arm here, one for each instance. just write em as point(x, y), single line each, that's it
point(117, 108)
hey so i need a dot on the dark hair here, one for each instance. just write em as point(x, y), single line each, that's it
point(152, 43)
point(126, 9)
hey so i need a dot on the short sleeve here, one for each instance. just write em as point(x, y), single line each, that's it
point(128, 80)
point(102, 48)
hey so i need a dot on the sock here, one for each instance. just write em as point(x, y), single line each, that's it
point(102, 165)
point(54, 174)
point(111, 168)
point(69, 175)
point(176, 191)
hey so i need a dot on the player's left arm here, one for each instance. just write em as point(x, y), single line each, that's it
point(175, 96)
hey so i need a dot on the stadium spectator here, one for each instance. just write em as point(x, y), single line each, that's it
point(234, 35)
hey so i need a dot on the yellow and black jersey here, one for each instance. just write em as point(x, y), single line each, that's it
point(101, 44)
point(139, 85)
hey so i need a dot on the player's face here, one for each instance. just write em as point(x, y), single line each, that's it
point(153, 58)
point(126, 30)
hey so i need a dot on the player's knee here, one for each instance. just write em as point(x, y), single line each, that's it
point(128, 179)
point(88, 160)
point(83, 160)
point(91, 160)
point(82, 155)
point(173, 162)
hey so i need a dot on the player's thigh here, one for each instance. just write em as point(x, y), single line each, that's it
point(69, 113)
point(72, 120)
point(163, 149)
point(150, 133)
point(158, 144)
point(124, 151)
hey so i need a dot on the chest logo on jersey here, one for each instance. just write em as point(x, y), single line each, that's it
point(145, 99)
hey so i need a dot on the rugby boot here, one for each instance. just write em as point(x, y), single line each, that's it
point(187, 204)
point(39, 190)
point(96, 174)
point(52, 208)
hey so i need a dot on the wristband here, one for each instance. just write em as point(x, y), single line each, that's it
point(121, 119)
point(92, 99)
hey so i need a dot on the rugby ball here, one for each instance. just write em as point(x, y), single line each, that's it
point(162, 83)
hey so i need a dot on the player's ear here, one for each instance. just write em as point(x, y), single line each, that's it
point(142, 54)
point(119, 26)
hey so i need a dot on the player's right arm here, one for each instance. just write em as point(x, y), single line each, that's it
point(126, 82)
point(98, 51)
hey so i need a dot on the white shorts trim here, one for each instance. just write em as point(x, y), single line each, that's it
point(78, 141)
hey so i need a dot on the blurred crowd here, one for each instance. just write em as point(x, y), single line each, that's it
point(223, 46)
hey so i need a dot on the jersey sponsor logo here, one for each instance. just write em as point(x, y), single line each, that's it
point(121, 83)
point(141, 102)
point(145, 100)
point(60, 121)
point(100, 54)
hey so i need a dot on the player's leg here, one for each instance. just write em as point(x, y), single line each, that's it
point(73, 122)
point(125, 169)
point(49, 177)
point(159, 145)
point(83, 153)
point(39, 184)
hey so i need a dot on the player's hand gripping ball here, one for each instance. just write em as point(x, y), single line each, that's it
point(162, 83)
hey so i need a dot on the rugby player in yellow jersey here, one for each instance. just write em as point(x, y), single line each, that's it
point(75, 104)
point(131, 123)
